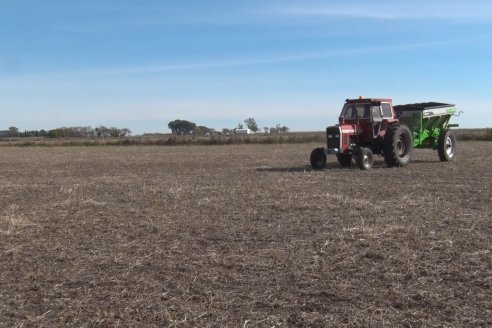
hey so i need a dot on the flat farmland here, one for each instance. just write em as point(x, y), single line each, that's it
point(242, 236)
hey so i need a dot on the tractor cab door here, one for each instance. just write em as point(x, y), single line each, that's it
point(364, 121)
point(377, 119)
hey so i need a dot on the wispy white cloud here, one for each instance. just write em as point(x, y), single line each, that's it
point(416, 10)
point(242, 62)
point(282, 58)
point(91, 72)
point(158, 15)
point(334, 11)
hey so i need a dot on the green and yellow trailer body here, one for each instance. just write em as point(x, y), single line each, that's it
point(427, 121)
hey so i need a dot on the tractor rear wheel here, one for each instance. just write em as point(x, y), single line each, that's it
point(397, 146)
point(365, 158)
point(446, 146)
point(345, 160)
point(318, 158)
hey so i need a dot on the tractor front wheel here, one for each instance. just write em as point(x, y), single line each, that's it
point(398, 145)
point(446, 146)
point(365, 158)
point(318, 158)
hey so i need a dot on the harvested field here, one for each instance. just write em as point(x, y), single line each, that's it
point(242, 236)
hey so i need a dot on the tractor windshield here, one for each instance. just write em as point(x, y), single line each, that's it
point(351, 111)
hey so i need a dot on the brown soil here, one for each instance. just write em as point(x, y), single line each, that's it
point(242, 236)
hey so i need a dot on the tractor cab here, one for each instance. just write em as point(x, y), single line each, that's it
point(366, 115)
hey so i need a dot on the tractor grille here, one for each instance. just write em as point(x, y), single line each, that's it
point(333, 137)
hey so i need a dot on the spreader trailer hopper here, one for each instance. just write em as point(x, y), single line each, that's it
point(429, 123)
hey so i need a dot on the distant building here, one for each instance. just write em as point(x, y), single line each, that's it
point(242, 131)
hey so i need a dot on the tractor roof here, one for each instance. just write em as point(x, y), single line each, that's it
point(361, 100)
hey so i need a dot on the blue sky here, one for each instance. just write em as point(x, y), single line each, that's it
point(141, 64)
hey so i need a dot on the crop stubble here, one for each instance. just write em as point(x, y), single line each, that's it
point(243, 236)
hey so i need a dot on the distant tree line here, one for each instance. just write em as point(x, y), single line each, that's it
point(183, 127)
point(71, 132)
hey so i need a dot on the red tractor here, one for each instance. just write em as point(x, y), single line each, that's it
point(369, 126)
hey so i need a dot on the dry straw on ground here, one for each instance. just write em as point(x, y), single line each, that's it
point(242, 236)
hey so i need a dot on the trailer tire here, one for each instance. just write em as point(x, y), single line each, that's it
point(345, 160)
point(365, 158)
point(318, 158)
point(446, 146)
point(397, 146)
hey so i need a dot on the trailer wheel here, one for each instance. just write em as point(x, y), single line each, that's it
point(446, 146)
point(318, 158)
point(345, 160)
point(397, 146)
point(365, 158)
